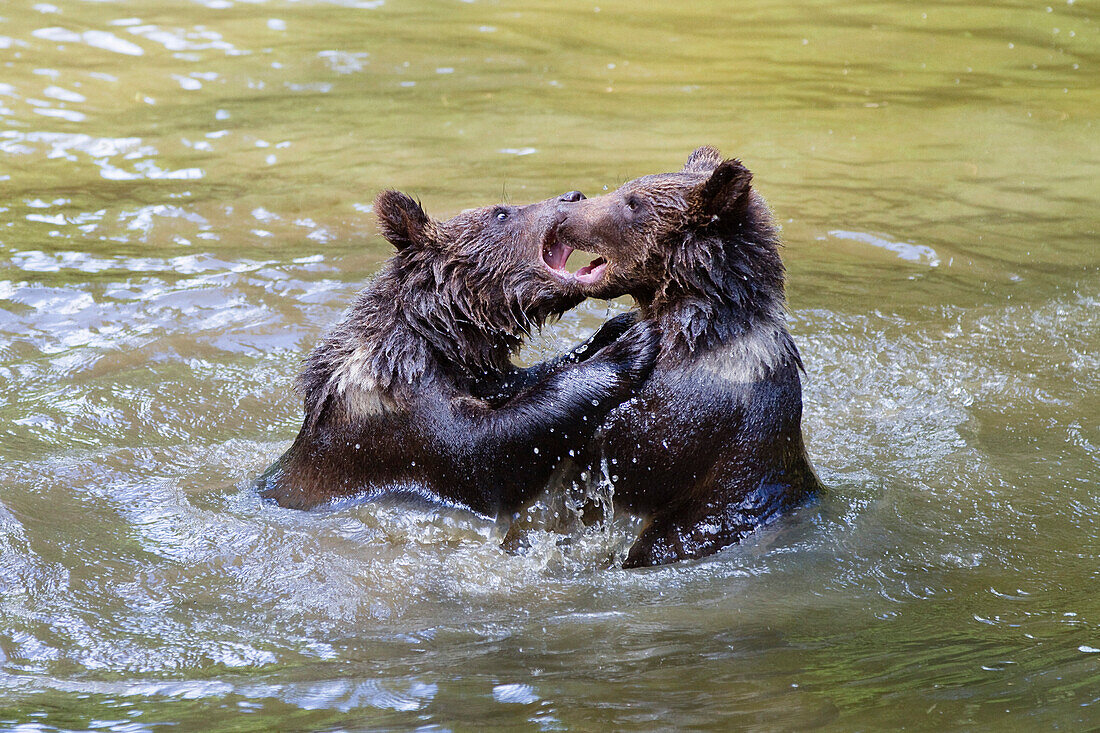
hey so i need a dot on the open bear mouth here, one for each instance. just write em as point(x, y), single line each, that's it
point(555, 253)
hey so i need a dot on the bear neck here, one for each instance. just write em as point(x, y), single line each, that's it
point(722, 285)
point(399, 333)
point(442, 301)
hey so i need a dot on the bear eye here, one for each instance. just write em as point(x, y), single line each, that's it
point(632, 203)
point(501, 214)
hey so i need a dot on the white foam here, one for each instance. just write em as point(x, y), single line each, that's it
point(904, 250)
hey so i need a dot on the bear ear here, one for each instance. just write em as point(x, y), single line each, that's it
point(403, 220)
point(725, 193)
point(703, 160)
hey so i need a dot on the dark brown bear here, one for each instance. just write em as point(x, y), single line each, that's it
point(712, 446)
point(389, 407)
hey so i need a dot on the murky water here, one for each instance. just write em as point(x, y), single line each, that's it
point(184, 207)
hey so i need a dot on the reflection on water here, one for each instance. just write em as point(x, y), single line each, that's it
point(185, 204)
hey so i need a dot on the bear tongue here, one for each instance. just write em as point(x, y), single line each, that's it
point(556, 255)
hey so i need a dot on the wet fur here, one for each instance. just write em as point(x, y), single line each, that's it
point(389, 393)
point(712, 446)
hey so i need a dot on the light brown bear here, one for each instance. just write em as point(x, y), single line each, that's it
point(712, 446)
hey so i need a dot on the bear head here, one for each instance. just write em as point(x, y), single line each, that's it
point(481, 280)
point(674, 232)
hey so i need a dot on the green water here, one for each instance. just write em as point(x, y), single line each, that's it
point(185, 194)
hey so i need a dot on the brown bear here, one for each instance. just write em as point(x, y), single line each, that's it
point(390, 407)
point(712, 447)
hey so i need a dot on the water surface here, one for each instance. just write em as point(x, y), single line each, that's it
point(185, 195)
